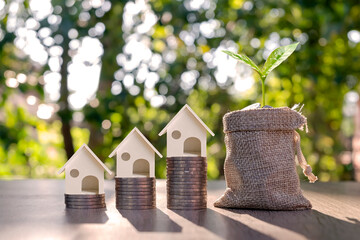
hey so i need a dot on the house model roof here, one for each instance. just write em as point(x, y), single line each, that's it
point(186, 108)
point(84, 146)
point(136, 130)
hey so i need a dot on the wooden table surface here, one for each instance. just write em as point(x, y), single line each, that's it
point(34, 209)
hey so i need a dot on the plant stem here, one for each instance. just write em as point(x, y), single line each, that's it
point(263, 90)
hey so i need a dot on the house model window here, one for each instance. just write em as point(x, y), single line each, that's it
point(125, 156)
point(74, 173)
point(176, 134)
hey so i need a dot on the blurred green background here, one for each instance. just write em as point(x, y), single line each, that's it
point(75, 72)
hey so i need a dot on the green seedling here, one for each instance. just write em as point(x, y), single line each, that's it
point(275, 59)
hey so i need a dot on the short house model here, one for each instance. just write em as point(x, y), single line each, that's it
point(186, 134)
point(135, 156)
point(84, 173)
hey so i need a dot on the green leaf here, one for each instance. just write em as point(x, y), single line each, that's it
point(245, 59)
point(277, 57)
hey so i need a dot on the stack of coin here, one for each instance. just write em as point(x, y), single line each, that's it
point(85, 201)
point(135, 193)
point(186, 182)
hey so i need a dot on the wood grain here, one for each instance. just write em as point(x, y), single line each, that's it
point(35, 209)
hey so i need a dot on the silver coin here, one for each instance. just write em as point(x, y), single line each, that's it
point(187, 193)
point(186, 208)
point(186, 161)
point(132, 193)
point(185, 172)
point(198, 158)
point(146, 181)
point(185, 164)
point(86, 204)
point(85, 200)
point(138, 186)
point(185, 186)
point(135, 207)
point(194, 160)
point(175, 196)
point(138, 179)
point(135, 204)
point(135, 187)
point(187, 168)
point(175, 200)
point(175, 183)
point(134, 183)
point(84, 195)
point(125, 196)
point(186, 190)
point(148, 193)
point(84, 207)
point(135, 200)
point(200, 176)
point(177, 178)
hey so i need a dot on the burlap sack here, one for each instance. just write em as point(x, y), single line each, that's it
point(260, 169)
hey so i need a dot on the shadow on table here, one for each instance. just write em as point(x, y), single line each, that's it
point(86, 215)
point(310, 223)
point(349, 189)
point(221, 225)
point(151, 220)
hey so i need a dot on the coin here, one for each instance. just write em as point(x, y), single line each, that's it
point(186, 191)
point(181, 193)
point(186, 164)
point(84, 196)
point(186, 158)
point(129, 203)
point(176, 178)
point(190, 187)
point(186, 208)
point(186, 161)
point(186, 168)
point(135, 207)
point(84, 202)
point(84, 207)
point(175, 196)
point(135, 193)
point(125, 196)
point(137, 179)
point(175, 200)
point(135, 204)
point(135, 187)
point(135, 183)
point(185, 172)
point(186, 185)
point(87, 204)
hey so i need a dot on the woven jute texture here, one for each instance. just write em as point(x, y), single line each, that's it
point(260, 168)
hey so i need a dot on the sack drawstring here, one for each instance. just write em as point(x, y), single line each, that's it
point(307, 170)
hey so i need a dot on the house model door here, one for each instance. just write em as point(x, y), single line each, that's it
point(90, 184)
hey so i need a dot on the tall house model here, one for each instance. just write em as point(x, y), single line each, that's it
point(186, 134)
point(135, 156)
point(84, 173)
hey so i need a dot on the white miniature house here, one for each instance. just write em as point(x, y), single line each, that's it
point(84, 173)
point(186, 134)
point(135, 156)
